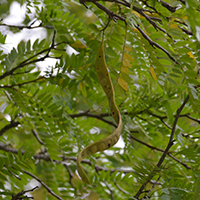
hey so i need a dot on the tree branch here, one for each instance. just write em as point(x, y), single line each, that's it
point(26, 27)
point(121, 189)
point(45, 156)
point(9, 126)
point(97, 116)
point(20, 194)
point(111, 14)
point(100, 117)
point(29, 61)
point(109, 188)
point(152, 43)
point(20, 84)
point(43, 184)
point(70, 174)
point(161, 150)
point(192, 118)
point(170, 143)
point(165, 117)
point(182, 1)
point(168, 6)
point(140, 11)
point(37, 136)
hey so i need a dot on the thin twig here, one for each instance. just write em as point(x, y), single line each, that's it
point(43, 184)
point(153, 186)
point(70, 174)
point(170, 143)
point(12, 124)
point(109, 188)
point(165, 117)
point(152, 43)
point(97, 116)
point(18, 195)
point(13, 173)
point(182, 1)
point(20, 84)
point(121, 189)
point(29, 60)
point(26, 27)
point(192, 118)
point(168, 6)
point(100, 117)
point(111, 14)
point(37, 136)
point(45, 156)
point(161, 150)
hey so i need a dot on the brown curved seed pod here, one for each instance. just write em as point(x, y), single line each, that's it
point(109, 141)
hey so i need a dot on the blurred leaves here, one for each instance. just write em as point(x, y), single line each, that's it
point(52, 105)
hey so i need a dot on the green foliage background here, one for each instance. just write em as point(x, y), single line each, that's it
point(47, 118)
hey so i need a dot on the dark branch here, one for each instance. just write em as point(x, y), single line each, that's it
point(161, 150)
point(168, 6)
point(45, 156)
point(97, 167)
point(97, 116)
point(100, 117)
point(121, 189)
point(27, 27)
point(37, 137)
point(7, 148)
point(8, 126)
point(30, 60)
point(182, 1)
point(43, 184)
point(111, 14)
point(170, 143)
point(192, 118)
point(140, 11)
point(152, 43)
point(70, 174)
point(20, 194)
point(165, 117)
point(146, 4)
point(186, 31)
point(20, 84)
point(109, 188)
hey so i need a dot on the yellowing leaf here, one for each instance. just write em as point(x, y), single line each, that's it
point(173, 26)
point(41, 79)
point(126, 63)
point(79, 45)
point(83, 88)
point(128, 57)
point(185, 17)
point(123, 84)
point(153, 73)
point(128, 48)
point(137, 14)
point(191, 55)
point(152, 14)
point(136, 30)
point(124, 69)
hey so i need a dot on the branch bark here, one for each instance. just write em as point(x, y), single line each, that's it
point(170, 143)
point(43, 184)
point(20, 194)
point(12, 124)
